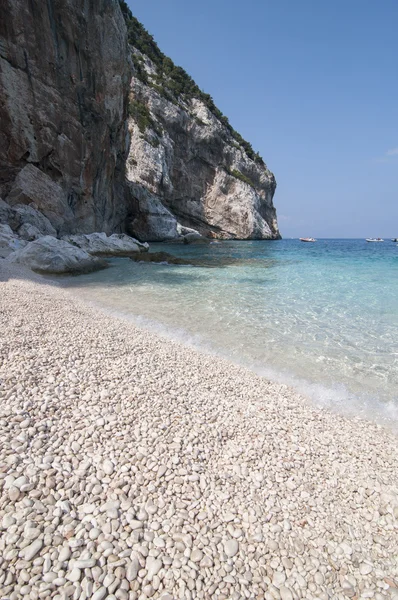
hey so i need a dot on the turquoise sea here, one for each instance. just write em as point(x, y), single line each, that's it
point(322, 317)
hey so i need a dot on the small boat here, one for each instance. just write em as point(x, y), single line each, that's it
point(307, 240)
point(374, 240)
point(394, 240)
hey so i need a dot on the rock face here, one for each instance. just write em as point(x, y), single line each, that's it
point(53, 256)
point(32, 187)
point(194, 174)
point(97, 134)
point(9, 242)
point(64, 77)
point(186, 164)
point(26, 221)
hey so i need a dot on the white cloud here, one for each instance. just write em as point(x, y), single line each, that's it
point(389, 156)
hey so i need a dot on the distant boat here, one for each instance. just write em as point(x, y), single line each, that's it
point(307, 240)
point(394, 240)
point(374, 240)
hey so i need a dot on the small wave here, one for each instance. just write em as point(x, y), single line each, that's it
point(338, 398)
point(335, 398)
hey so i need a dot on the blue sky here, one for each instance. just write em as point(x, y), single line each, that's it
point(313, 85)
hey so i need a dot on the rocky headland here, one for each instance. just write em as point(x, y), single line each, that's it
point(101, 132)
point(187, 165)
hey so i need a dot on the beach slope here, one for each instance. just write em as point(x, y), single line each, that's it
point(132, 467)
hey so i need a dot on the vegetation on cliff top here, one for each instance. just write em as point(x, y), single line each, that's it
point(238, 175)
point(171, 81)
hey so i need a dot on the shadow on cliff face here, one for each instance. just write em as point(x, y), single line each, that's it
point(63, 111)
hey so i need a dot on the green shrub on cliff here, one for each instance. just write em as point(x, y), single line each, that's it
point(173, 82)
point(140, 69)
point(142, 116)
point(238, 175)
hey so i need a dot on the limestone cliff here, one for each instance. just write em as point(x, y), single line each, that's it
point(98, 134)
point(187, 166)
point(64, 78)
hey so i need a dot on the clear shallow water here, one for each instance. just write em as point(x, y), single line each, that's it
point(322, 317)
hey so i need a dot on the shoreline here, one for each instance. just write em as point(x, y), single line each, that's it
point(373, 403)
point(336, 398)
point(174, 473)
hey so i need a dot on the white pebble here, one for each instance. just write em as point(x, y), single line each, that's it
point(231, 547)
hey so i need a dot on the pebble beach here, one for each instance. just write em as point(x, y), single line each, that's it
point(133, 467)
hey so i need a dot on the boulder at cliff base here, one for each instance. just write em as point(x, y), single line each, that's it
point(53, 256)
point(99, 244)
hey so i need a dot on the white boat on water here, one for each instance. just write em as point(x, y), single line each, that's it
point(374, 240)
point(307, 239)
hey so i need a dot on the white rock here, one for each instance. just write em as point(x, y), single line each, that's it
point(196, 555)
point(206, 562)
point(31, 533)
point(148, 591)
point(153, 566)
point(74, 575)
point(49, 255)
point(99, 244)
point(64, 554)
point(231, 547)
point(132, 569)
point(33, 549)
point(228, 516)
point(14, 493)
point(285, 593)
point(100, 594)
point(18, 483)
point(87, 563)
point(108, 467)
point(365, 569)
point(7, 521)
point(278, 579)
point(346, 548)
point(134, 524)
point(94, 533)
